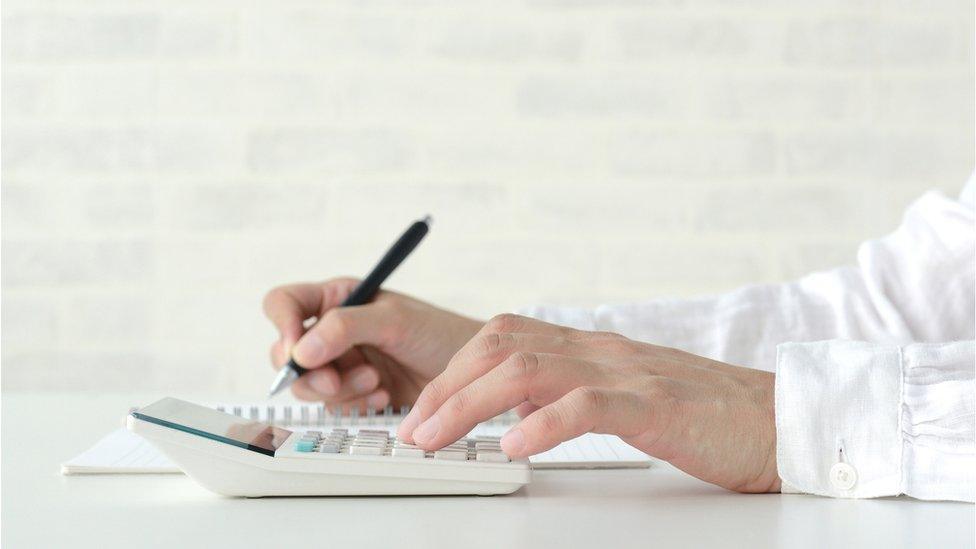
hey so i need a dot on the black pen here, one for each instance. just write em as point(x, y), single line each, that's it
point(364, 292)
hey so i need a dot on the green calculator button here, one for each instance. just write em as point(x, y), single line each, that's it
point(304, 446)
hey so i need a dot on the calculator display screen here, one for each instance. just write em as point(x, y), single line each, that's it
point(208, 423)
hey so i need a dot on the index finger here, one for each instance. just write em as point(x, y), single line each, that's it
point(497, 339)
point(539, 378)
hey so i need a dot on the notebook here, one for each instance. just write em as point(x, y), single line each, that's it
point(122, 452)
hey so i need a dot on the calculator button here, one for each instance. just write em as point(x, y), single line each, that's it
point(373, 436)
point(304, 446)
point(487, 446)
point(492, 457)
point(401, 451)
point(366, 450)
point(328, 449)
point(453, 455)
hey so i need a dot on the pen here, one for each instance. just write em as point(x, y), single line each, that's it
point(364, 292)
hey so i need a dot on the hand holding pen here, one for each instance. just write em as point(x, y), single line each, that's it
point(368, 347)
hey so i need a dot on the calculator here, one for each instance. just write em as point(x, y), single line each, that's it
point(236, 456)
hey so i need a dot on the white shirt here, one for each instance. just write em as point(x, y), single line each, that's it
point(874, 362)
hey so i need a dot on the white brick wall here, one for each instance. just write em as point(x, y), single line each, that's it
point(166, 163)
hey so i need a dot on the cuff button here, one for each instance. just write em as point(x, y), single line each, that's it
point(843, 476)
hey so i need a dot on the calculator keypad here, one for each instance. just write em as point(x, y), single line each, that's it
point(375, 442)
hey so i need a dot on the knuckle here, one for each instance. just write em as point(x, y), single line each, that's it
point(521, 366)
point(506, 322)
point(271, 298)
point(341, 281)
point(550, 420)
point(618, 344)
point(490, 343)
point(459, 403)
point(589, 400)
point(338, 323)
point(431, 396)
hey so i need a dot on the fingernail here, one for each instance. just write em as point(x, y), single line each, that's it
point(427, 430)
point(309, 350)
point(363, 382)
point(322, 383)
point(408, 425)
point(513, 442)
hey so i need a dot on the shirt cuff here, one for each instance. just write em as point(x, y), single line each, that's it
point(868, 420)
point(837, 417)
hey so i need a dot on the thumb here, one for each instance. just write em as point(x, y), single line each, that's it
point(342, 328)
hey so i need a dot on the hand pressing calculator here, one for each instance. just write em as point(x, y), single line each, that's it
point(234, 456)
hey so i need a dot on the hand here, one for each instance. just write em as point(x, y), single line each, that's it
point(371, 355)
point(709, 419)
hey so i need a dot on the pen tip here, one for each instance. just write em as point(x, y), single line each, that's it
point(427, 219)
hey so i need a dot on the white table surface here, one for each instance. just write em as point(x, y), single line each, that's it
point(658, 507)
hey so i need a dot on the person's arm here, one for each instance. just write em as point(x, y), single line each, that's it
point(914, 285)
point(851, 419)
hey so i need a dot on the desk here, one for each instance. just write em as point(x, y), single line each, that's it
point(658, 507)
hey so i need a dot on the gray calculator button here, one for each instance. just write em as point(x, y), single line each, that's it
point(328, 448)
point(366, 450)
point(372, 443)
point(452, 455)
point(487, 446)
point(401, 451)
point(492, 457)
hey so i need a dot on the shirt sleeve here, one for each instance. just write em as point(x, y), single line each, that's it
point(913, 285)
point(857, 419)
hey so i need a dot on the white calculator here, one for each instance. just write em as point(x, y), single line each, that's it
point(235, 456)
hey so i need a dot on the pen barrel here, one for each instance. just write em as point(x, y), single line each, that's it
point(366, 289)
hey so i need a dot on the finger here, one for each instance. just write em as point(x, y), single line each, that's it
point(278, 355)
point(288, 306)
point(583, 410)
point(339, 329)
point(539, 378)
point(524, 409)
point(482, 353)
point(357, 382)
point(321, 384)
point(377, 400)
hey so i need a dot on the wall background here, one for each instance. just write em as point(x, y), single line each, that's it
point(164, 163)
